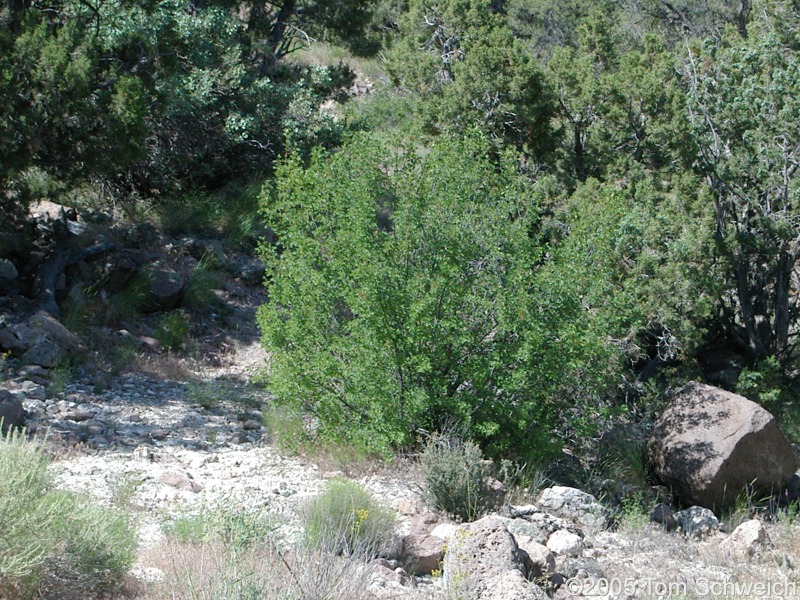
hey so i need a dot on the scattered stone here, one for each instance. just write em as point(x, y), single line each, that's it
point(697, 522)
point(422, 553)
point(148, 575)
point(575, 505)
point(159, 434)
point(180, 480)
point(663, 515)
point(565, 543)
point(483, 562)
point(748, 539)
point(239, 438)
point(79, 414)
point(143, 453)
point(7, 270)
point(11, 411)
point(710, 444)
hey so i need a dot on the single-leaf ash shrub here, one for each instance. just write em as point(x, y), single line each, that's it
point(55, 544)
point(456, 477)
point(346, 519)
point(407, 289)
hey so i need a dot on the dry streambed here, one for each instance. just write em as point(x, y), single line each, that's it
point(164, 450)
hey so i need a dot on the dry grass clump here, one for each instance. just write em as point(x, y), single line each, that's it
point(654, 563)
point(239, 555)
point(55, 544)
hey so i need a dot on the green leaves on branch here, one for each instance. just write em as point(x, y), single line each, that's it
point(471, 73)
point(744, 101)
point(406, 295)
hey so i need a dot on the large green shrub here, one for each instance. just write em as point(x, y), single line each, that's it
point(405, 294)
point(55, 544)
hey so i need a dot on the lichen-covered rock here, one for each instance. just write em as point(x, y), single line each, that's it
point(575, 505)
point(483, 562)
point(565, 543)
point(697, 521)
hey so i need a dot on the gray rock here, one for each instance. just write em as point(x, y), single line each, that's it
point(8, 271)
point(710, 444)
point(43, 354)
point(575, 505)
point(42, 340)
point(159, 434)
point(483, 562)
point(524, 518)
point(48, 327)
point(11, 411)
point(166, 288)
point(663, 515)
point(541, 561)
point(422, 553)
point(523, 529)
point(748, 539)
point(32, 390)
point(79, 415)
point(565, 543)
point(31, 371)
point(697, 522)
point(583, 568)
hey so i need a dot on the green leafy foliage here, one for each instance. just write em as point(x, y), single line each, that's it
point(471, 73)
point(151, 98)
point(405, 295)
point(171, 331)
point(744, 110)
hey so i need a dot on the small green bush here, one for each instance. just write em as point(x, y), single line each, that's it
point(235, 528)
point(345, 519)
point(455, 474)
point(172, 330)
point(200, 295)
point(55, 544)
